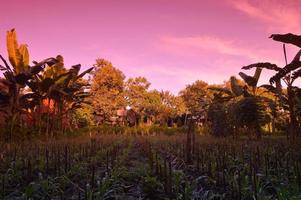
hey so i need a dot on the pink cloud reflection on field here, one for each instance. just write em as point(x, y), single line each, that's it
point(172, 43)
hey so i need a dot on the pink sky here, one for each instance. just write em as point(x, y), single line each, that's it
point(172, 43)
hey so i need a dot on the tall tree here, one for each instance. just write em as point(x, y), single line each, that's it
point(151, 107)
point(195, 97)
point(171, 106)
point(136, 90)
point(107, 89)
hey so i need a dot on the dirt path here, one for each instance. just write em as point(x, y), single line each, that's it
point(136, 168)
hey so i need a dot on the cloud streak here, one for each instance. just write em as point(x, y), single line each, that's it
point(215, 45)
point(220, 57)
point(278, 15)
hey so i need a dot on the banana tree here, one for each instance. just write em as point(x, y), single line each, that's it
point(220, 115)
point(73, 92)
point(40, 87)
point(242, 102)
point(16, 77)
point(61, 88)
point(287, 74)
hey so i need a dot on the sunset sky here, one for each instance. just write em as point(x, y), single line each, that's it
point(172, 43)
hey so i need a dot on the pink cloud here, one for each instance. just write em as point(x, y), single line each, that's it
point(281, 16)
point(220, 57)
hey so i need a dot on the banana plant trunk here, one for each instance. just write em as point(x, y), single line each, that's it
point(13, 108)
point(258, 131)
point(48, 119)
point(39, 113)
point(293, 120)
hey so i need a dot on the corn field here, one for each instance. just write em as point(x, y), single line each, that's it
point(148, 167)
